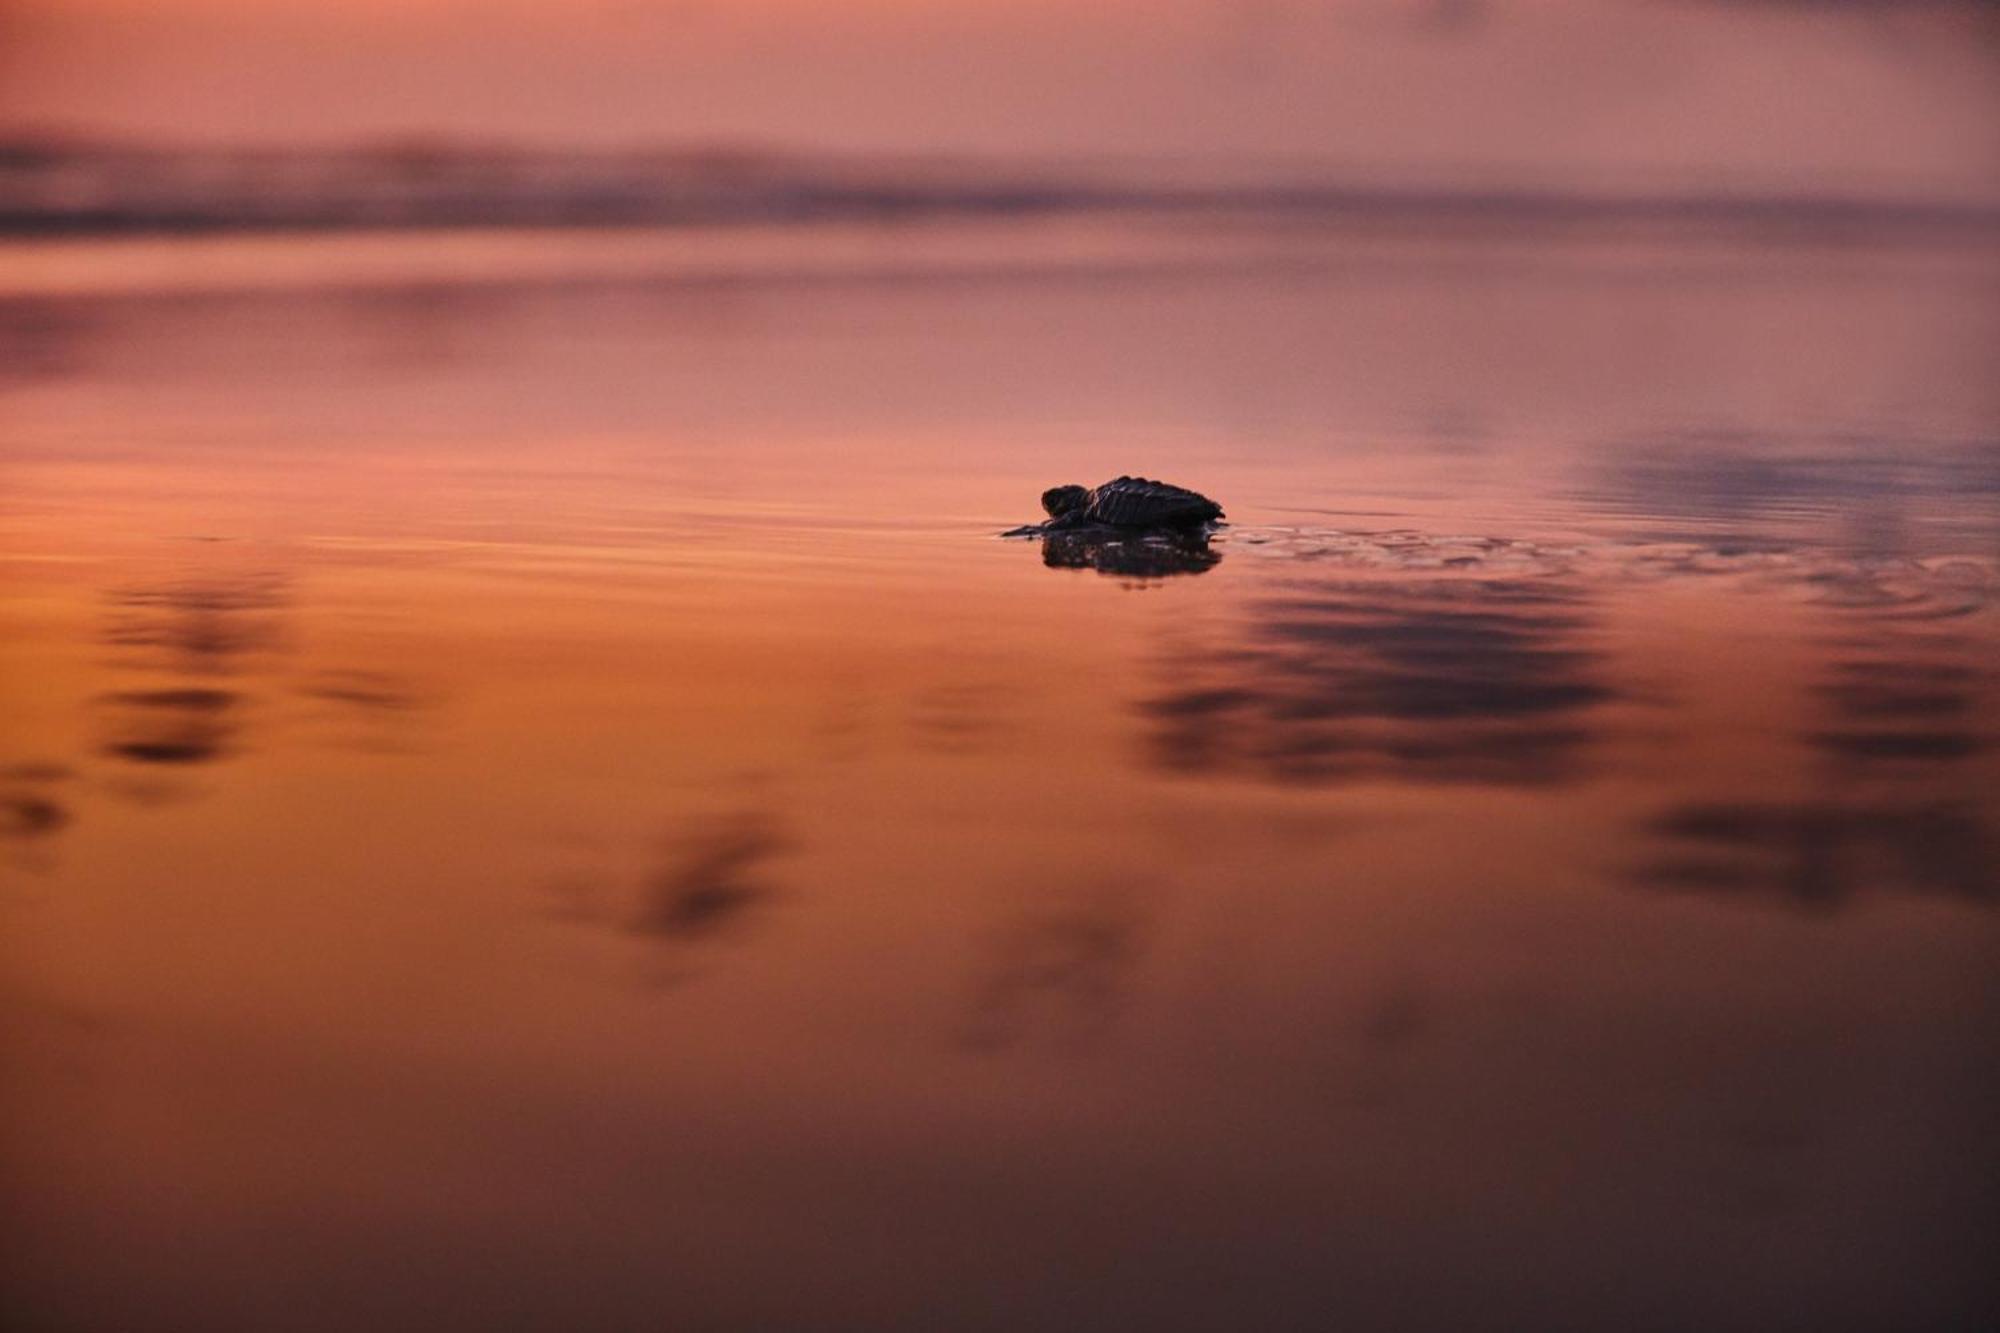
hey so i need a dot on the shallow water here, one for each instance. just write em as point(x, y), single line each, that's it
point(547, 805)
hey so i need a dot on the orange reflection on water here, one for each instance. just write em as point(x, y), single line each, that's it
point(610, 837)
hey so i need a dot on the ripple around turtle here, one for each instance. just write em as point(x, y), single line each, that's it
point(1918, 587)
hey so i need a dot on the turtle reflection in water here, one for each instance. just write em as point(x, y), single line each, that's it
point(1129, 526)
point(1149, 555)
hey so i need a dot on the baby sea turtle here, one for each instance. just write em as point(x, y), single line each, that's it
point(1124, 503)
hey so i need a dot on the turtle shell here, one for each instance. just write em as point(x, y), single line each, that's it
point(1136, 502)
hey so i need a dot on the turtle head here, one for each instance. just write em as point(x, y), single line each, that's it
point(1061, 500)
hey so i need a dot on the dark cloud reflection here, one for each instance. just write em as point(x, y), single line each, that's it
point(374, 692)
point(1895, 802)
point(172, 726)
point(370, 711)
point(34, 808)
point(197, 625)
point(195, 631)
point(1439, 680)
point(44, 339)
point(29, 807)
point(713, 878)
point(1064, 968)
point(1876, 488)
point(1817, 856)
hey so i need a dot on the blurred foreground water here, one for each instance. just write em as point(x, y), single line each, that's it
point(536, 804)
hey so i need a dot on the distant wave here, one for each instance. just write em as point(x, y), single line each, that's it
point(54, 190)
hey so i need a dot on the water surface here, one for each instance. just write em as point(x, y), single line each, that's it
point(545, 804)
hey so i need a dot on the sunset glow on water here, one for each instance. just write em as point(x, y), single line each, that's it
point(546, 804)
